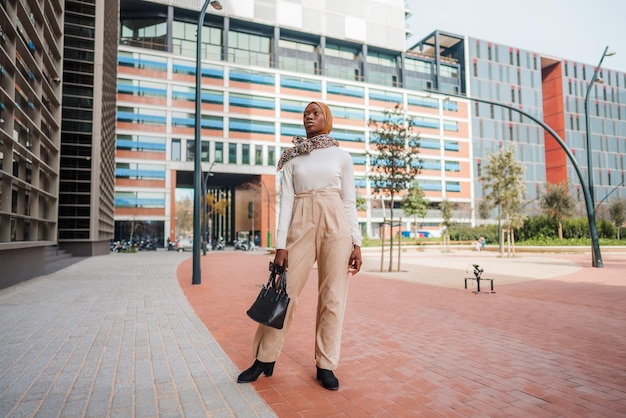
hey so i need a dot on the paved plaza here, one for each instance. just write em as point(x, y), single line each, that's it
point(128, 335)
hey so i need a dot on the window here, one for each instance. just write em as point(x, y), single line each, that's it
point(219, 152)
point(204, 154)
point(232, 153)
point(254, 126)
point(245, 154)
point(191, 149)
point(140, 143)
point(345, 90)
point(298, 57)
point(247, 100)
point(453, 186)
point(175, 150)
point(271, 159)
point(301, 83)
point(258, 154)
point(184, 40)
point(454, 166)
point(249, 49)
point(151, 33)
point(140, 171)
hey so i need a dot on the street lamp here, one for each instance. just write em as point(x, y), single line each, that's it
point(596, 258)
point(197, 178)
point(588, 125)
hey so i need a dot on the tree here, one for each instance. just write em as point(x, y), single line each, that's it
point(184, 216)
point(484, 211)
point(558, 204)
point(415, 203)
point(396, 163)
point(446, 214)
point(617, 212)
point(503, 188)
point(360, 202)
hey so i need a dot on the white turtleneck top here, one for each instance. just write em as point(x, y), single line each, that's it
point(322, 168)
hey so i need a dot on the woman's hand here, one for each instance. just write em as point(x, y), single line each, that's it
point(281, 259)
point(354, 265)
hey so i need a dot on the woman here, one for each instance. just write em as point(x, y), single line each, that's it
point(318, 222)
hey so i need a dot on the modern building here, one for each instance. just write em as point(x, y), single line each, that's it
point(261, 65)
point(550, 89)
point(57, 124)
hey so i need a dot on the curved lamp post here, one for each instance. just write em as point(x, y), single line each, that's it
point(596, 258)
point(588, 125)
point(197, 178)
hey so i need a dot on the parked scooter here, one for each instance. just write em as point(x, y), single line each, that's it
point(218, 245)
point(241, 245)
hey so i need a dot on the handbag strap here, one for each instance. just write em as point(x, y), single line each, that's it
point(281, 284)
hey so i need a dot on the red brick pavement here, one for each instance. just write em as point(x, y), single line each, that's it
point(544, 348)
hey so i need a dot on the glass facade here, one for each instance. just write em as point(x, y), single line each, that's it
point(252, 102)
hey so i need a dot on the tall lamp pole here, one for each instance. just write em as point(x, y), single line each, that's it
point(197, 178)
point(596, 258)
point(588, 125)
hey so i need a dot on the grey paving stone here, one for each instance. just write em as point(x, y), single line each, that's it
point(113, 336)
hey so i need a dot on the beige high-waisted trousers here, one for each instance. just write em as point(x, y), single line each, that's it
point(319, 231)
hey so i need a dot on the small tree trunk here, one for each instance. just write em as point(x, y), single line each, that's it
point(560, 230)
point(400, 244)
point(513, 241)
point(391, 237)
point(382, 245)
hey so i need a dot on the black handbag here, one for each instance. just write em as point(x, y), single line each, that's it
point(270, 306)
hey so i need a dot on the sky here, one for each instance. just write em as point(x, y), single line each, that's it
point(576, 30)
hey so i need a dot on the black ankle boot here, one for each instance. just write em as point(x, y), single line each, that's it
point(328, 379)
point(255, 371)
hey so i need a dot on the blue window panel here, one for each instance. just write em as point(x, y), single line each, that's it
point(191, 70)
point(134, 117)
point(240, 125)
point(125, 202)
point(291, 131)
point(252, 102)
point(189, 122)
point(349, 114)
point(286, 107)
point(252, 78)
point(137, 174)
point(426, 124)
point(345, 90)
point(141, 91)
point(212, 98)
point(431, 186)
point(453, 166)
point(212, 73)
point(451, 126)
point(423, 102)
point(212, 123)
point(386, 97)
point(451, 106)
point(451, 146)
point(358, 159)
point(151, 203)
point(142, 63)
point(360, 183)
point(186, 95)
point(453, 186)
point(144, 146)
point(296, 83)
point(431, 165)
point(347, 136)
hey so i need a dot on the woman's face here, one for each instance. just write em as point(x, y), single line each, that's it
point(314, 121)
